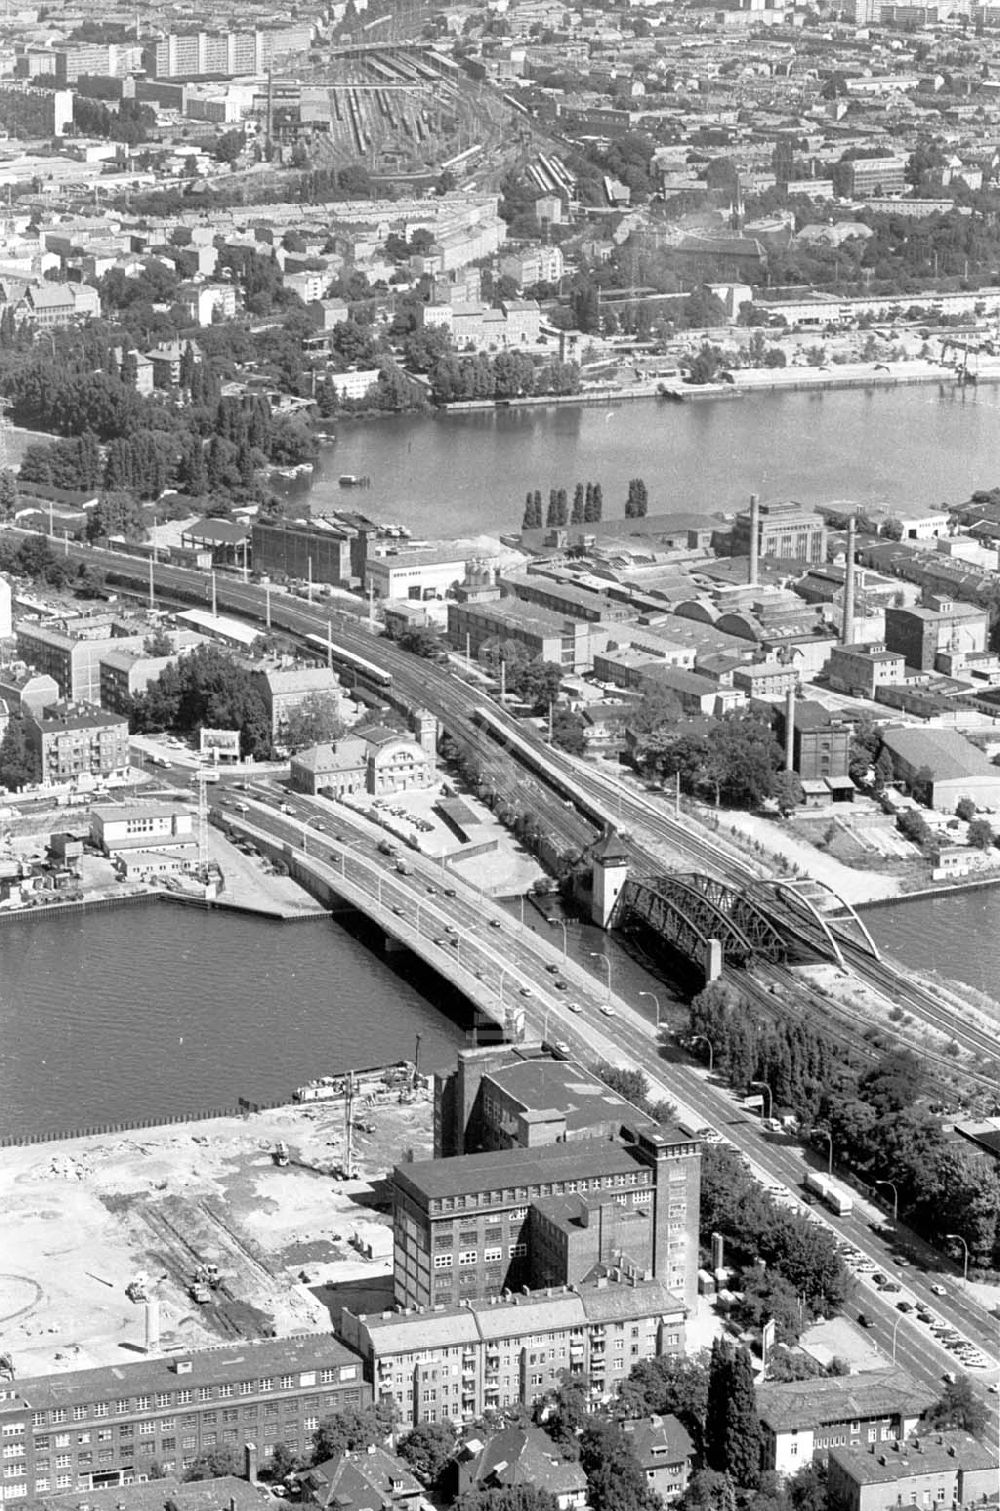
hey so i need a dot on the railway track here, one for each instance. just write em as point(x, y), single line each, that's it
point(454, 703)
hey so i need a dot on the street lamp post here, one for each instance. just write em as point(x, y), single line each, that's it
point(562, 925)
point(895, 1329)
point(700, 1039)
point(656, 1002)
point(965, 1251)
point(770, 1096)
point(599, 955)
point(895, 1196)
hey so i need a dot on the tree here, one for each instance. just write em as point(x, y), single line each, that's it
point(424, 640)
point(535, 682)
point(732, 1444)
point(577, 516)
point(8, 493)
point(670, 1385)
point(428, 1449)
point(913, 826)
point(567, 1411)
point(787, 792)
point(212, 1464)
point(708, 1490)
point(965, 809)
point(508, 1498)
point(19, 765)
point(980, 834)
point(353, 1430)
point(316, 721)
point(283, 1462)
point(568, 731)
point(959, 1407)
point(637, 502)
point(615, 1479)
point(922, 785)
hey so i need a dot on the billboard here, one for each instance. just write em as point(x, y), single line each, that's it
point(220, 744)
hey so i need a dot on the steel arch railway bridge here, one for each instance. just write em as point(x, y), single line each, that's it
point(695, 914)
point(718, 926)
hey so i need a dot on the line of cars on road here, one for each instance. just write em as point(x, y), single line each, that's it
point(912, 1306)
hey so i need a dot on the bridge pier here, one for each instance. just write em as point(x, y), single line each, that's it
point(712, 960)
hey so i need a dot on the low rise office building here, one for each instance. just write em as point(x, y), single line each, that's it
point(802, 1420)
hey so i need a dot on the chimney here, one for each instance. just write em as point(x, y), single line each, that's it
point(848, 628)
point(790, 729)
point(250, 1462)
point(754, 539)
point(152, 1325)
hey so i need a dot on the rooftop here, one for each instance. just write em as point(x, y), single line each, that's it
point(513, 1168)
point(584, 1101)
point(947, 754)
point(266, 1357)
point(930, 1453)
point(839, 1398)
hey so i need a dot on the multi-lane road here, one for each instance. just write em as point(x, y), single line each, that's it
point(504, 956)
point(465, 935)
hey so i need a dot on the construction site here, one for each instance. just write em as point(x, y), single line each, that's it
point(192, 1234)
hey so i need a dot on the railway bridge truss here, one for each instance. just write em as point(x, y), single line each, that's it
point(689, 911)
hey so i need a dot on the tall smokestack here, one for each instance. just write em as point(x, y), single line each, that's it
point(152, 1325)
point(790, 729)
point(754, 539)
point(848, 629)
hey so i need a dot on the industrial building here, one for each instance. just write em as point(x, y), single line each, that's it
point(944, 627)
point(571, 1177)
point(569, 643)
point(93, 1428)
point(957, 769)
point(787, 530)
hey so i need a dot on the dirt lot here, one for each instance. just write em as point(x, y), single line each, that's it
point(82, 1217)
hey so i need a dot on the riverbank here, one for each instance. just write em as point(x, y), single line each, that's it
point(94, 1212)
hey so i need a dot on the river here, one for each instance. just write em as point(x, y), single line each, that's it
point(467, 474)
point(151, 1012)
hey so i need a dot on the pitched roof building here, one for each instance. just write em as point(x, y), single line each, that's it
point(804, 1419)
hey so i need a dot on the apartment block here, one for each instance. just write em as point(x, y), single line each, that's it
point(930, 1469)
point(70, 740)
point(92, 1428)
point(458, 1362)
point(71, 652)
